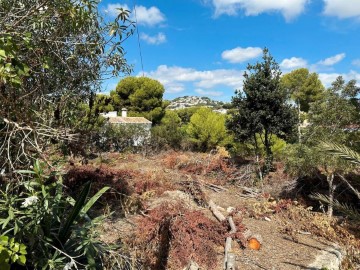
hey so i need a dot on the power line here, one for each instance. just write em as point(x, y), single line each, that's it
point(138, 38)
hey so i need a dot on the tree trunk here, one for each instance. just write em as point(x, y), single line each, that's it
point(269, 156)
point(299, 121)
point(257, 158)
point(332, 187)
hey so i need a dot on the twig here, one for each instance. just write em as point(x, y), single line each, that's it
point(215, 187)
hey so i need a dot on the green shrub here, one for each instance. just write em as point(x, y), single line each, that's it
point(55, 228)
point(278, 147)
point(207, 130)
point(122, 138)
point(11, 252)
point(169, 132)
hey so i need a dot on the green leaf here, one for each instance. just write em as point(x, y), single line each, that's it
point(22, 249)
point(341, 151)
point(15, 247)
point(4, 240)
point(93, 199)
point(65, 232)
point(2, 53)
point(21, 260)
point(5, 222)
point(14, 257)
point(25, 171)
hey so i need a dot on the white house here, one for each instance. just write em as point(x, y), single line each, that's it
point(140, 123)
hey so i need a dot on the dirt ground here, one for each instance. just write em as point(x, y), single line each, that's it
point(279, 250)
point(287, 240)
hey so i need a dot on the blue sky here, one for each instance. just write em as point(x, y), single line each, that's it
point(202, 47)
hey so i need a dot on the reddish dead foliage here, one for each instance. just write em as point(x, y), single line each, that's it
point(170, 236)
point(100, 177)
point(152, 181)
point(283, 204)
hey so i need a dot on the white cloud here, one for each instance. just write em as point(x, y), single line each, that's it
point(330, 61)
point(239, 55)
point(328, 78)
point(174, 87)
point(145, 16)
point(113, 9)
point(289, 9)
point(342, 8)
point(293, 63)
point(356, 62)
point(154, 40)
point(149, 16)
point(175, 78)
point(202, 92)
point(206, 82)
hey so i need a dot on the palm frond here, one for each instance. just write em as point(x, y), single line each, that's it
point(341, 151)
point(348, 210)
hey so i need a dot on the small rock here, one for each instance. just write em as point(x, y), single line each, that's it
point(267, 218)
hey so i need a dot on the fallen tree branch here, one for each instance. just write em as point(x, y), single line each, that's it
point(249, 192)
point(232, 225)
point(214, 209)
point(229, 258)
point(215, 187)
point(227, 252)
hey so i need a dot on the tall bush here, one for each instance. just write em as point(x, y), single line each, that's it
point(56, 229)
point(206, 130)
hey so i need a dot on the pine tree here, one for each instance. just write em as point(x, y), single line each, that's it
point(261, 108)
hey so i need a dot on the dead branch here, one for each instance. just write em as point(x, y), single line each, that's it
point(249, 192)
point(229, 258)
point(227, 251)
point(214, 209)
point(215, 187)
point(232, 225)
point(21, 143)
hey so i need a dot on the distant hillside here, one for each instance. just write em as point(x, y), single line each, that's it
point(190, 101)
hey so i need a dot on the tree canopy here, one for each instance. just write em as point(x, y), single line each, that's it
point(141, 96)
point(303, 87)
point(206, 129)
point(53, 54)
point(333, 116)
point(261, 107)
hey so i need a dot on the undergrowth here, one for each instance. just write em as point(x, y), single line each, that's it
point(170, 235)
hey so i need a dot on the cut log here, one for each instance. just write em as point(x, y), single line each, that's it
point(227, 251)
point(229, 257)
point(232, 225)
point(231, 261)
point(213, 207)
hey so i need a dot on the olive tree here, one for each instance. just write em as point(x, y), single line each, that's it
point(53, 54)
